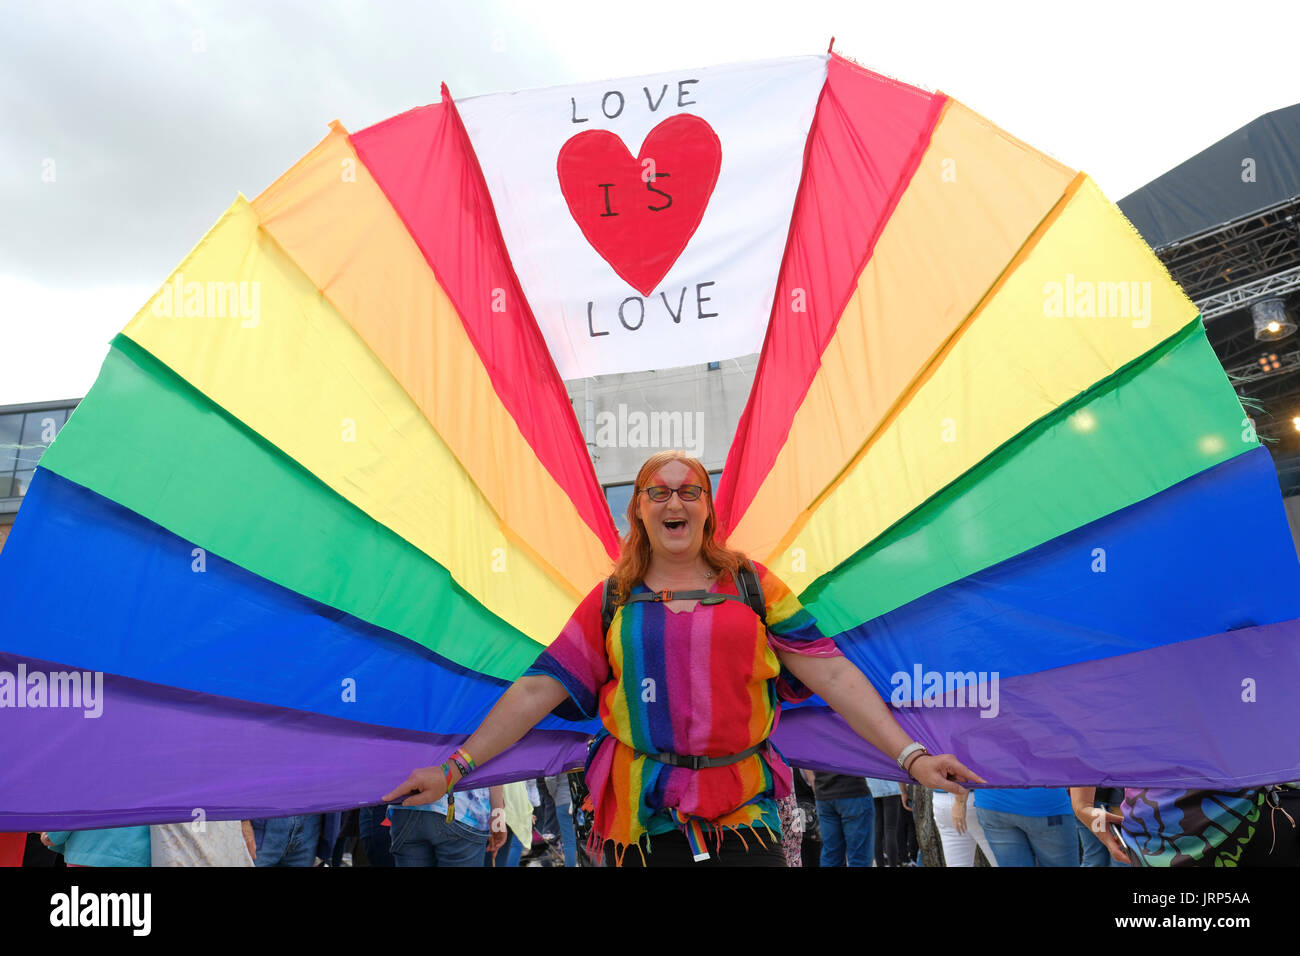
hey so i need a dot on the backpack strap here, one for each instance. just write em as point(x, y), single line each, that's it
point(607, 607)
point(704, 597)
point(747, 584)
point(751, 590)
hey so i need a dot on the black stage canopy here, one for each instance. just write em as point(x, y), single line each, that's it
point(1226, 224)
point(1253, 169)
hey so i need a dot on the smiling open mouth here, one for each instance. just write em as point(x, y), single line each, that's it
point(675, 524)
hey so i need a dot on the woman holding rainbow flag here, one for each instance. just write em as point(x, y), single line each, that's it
point(684, 654)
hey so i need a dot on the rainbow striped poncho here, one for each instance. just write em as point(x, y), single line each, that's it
point(701, 682)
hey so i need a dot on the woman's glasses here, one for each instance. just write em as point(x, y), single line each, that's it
point(661, 493)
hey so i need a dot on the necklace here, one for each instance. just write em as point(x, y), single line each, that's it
point(708, 575)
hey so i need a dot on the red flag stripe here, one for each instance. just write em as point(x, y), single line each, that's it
point(425, 164)
point(866, 141)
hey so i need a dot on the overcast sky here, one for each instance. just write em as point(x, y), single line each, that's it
point(149, 117)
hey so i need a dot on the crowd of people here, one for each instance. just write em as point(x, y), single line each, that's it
point(829, 820)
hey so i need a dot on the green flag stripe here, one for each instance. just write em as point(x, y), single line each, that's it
point(1166, 416)
point(148, 440)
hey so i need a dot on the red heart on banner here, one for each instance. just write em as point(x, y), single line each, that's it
point(639, 212)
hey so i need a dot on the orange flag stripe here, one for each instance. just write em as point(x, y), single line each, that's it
point(976, 198)
point(330, 216)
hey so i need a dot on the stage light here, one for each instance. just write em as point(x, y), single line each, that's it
point(1271, 321)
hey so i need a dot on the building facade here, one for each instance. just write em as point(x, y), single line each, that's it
point(25, 432)
point(627, 418)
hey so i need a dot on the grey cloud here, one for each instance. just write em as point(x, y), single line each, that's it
point(152, 139)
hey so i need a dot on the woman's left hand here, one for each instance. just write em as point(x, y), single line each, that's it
point(959, 815)
point(942, 772)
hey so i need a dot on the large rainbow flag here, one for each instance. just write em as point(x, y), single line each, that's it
point(328, 496)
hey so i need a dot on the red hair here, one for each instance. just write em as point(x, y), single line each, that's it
point(634, 559)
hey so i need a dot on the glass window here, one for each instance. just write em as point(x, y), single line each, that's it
point(38, 432)
point(21, 480)
point(11, 427)
point(715, 477)
point(618, 497)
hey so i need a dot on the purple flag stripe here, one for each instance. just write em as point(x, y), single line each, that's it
point(1180, 715)
point(1175, 716)
point(155, 754)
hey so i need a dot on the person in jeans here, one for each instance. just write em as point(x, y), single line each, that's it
point(558, 788)
point(287, 841)
point(1029, 827)
point(374, 835)
point(846, 812)
point(1095, 852)
point(421, 835)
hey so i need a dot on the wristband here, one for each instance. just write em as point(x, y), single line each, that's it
point(906, 752)
point(451, 798)
point(464, 756)
point(464, 763)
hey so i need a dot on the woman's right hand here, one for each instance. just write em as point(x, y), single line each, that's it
point(426, 785)
point(1098, 820)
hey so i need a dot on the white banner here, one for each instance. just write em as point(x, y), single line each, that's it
point(647, 217)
